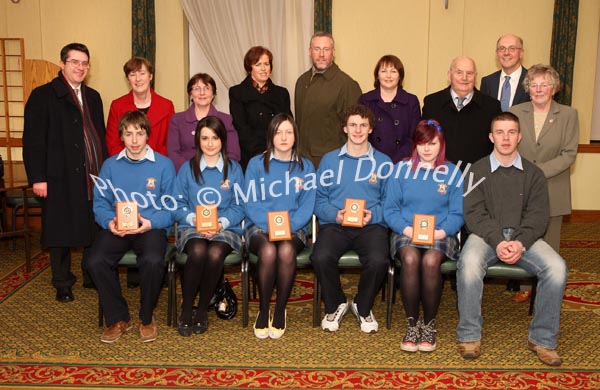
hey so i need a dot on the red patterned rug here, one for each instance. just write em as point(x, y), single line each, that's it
point(45, 373)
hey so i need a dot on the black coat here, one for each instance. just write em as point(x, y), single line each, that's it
point(54, 152)
point(252, 112)
point(466, 131)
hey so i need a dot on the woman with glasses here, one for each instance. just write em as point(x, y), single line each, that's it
point(423, 185)
point(201, 89)
point(255, 101)
point(159, 110)
point(550, 140)
point(396, 111)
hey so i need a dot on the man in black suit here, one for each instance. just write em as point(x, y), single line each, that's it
point(464, 113)
point(509, 51)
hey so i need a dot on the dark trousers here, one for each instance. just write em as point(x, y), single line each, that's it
point(372, 245)
point(102, 264)
point(60, 258)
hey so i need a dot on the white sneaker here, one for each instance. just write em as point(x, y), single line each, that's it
point(368, 324)
point(331, 322)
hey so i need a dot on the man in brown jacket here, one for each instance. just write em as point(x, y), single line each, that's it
point(322, 95)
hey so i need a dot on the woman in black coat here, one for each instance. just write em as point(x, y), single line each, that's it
point(255, 101)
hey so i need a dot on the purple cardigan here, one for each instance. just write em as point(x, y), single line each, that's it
point(395, 122)
point(180, 143)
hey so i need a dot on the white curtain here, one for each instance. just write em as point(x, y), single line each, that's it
point(226, 29)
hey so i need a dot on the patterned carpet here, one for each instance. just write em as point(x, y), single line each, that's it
point(47, 345)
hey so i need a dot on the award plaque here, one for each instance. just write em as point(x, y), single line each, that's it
point(127, 216)
point(354, 214)
point(279, 226)
point(207, 218)
point(423, 227)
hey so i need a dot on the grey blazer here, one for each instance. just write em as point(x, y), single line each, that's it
point(554, 151)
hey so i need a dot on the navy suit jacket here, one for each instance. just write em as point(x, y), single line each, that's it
point(491, 83)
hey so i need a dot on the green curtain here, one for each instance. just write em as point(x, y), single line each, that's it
point(562, 51)
point(323, 15)
point(143, 31)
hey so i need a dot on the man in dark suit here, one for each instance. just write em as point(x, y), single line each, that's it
point(510, 92)
point(63, 144)
point(464, 113)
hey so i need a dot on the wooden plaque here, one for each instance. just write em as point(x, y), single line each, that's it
point(127, 216)
point(355, 211)
point(279, 226)
point(423, 228)
point(207, 218)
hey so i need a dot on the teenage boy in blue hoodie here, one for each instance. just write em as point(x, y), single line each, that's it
point(352, 171)
point(140, 174)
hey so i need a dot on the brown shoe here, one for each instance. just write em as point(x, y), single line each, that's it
point(470, 349)
point(113, 332)
point(546, 356)
point(148, 332)
point(521, 296)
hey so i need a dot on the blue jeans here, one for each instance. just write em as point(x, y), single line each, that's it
point(540, 260)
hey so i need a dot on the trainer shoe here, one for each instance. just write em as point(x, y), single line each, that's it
point(411, 340)
point(331, 322)
point(427, 342)
point(113, 332)
point(368, 324)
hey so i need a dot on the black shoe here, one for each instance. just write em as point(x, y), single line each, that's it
point(200, 327)
point(89, 284)
point(184, 329)
point(513, 285)
point(64, 294)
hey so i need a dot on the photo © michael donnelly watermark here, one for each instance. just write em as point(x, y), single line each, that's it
point(258, 190)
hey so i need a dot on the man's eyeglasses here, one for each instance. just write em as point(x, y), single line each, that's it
point(510, 49)
point(318, 50)
point(77, 63)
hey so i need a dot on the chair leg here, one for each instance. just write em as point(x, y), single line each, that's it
point(316, 302)
point(245, 293)
point(390, 289)
point(533, 293)
point(172, 294)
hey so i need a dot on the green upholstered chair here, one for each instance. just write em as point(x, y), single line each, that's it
point(129, 259)
point(232, 260)
point(249, 264)
point(500, 270)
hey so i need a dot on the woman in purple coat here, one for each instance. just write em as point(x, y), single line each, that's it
point(396, 111)
point(202, 90)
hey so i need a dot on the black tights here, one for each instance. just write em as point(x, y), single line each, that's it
point(276, 266)
point(421, 281)
point(202, 271)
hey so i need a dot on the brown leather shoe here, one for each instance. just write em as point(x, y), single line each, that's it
point(113, 332)
point(521, 296)
point(546, 356)
point(148, 332)
point(470, 349)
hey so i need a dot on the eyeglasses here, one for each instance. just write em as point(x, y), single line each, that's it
point(542, 85)
point(318, 50)
point(510, 49)
point(77, 63)
point(199, 88)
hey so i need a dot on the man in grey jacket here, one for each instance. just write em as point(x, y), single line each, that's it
point(507, 214)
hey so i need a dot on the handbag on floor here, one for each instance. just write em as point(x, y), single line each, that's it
point(224, 301)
